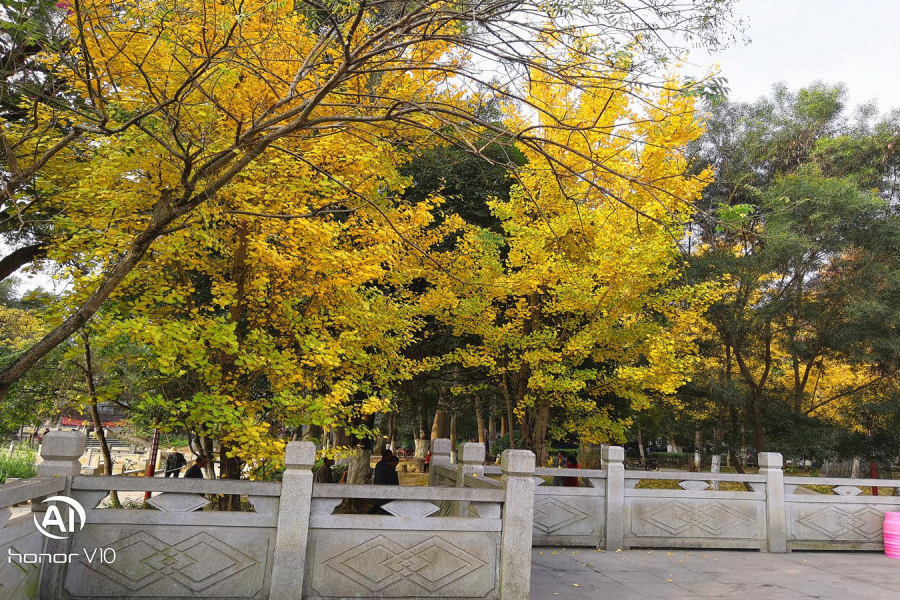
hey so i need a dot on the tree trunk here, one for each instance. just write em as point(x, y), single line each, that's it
point(479, 421)
point(504, 428)
point(542, 423)
point(313, 434)
point(19, 258)
point(640, 442)
point(589, 456)
point(756, 410)
point(422, 442)
point(392, 433)
point(359, 468)
point(440, 428)
point(95, 413)
point(698, 458)
point(229, 468)
point(160, 218)
point(453, 435)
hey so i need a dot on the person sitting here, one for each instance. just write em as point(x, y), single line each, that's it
point(196, 471)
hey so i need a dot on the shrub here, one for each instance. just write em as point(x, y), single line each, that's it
point(502, 443)
point(18, 464)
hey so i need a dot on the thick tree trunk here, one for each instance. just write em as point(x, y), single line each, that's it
point(421, 437)
point(441, 426)
point(504, 428)
point(392, 433)
point(19, 258)
point(542, 423)
point(589, 456)
point(160, 219)
point(229, 468)
point(359, 469)
point(313, 433)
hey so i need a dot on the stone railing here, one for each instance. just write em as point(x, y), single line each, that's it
point(765, 511)
point(20, 541)
point(429, 541)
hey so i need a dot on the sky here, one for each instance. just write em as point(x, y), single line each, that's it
point(800, 41)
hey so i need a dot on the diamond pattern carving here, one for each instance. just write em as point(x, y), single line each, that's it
point(381, 563)
point(196, 563)
point(175, 502)
point(552, 515)
point(16, 576)
point(834, 522)
point(677, 517)
point(410, 508)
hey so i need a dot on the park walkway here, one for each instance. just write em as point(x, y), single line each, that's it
point(675, 574)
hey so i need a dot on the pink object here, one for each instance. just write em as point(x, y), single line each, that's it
point(892, 534)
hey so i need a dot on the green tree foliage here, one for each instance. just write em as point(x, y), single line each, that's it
point(799, 223)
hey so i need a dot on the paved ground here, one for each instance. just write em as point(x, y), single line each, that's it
point(663, 574)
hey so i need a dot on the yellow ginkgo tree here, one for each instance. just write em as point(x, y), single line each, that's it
point(577, 301)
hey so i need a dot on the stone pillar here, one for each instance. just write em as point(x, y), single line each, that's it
point(612, 461)
point(60, 451)
point(293, 522)
point(469, 461)
point(776, 521)
point(518, 518)
point(440, 456)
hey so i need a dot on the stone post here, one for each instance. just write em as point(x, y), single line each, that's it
point(469, 461)
point(440, 456)
point(776, 522)
point(518, 518)
point(613, 462)
point(293, 522)
point(60, 451)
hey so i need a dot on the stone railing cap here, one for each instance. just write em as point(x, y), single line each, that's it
point(440, 446)
point(770, 460)
point(300, 454)
point(612, 453)
point(471, 453)
point(62, 445)
point(517, 462)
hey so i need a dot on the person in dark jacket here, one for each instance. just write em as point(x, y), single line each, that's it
point(386, 471)
point(196, 471)
point(174, 462)
point(323, 474)
point(385, 474)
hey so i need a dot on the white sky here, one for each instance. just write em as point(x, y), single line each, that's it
point(800, 41)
